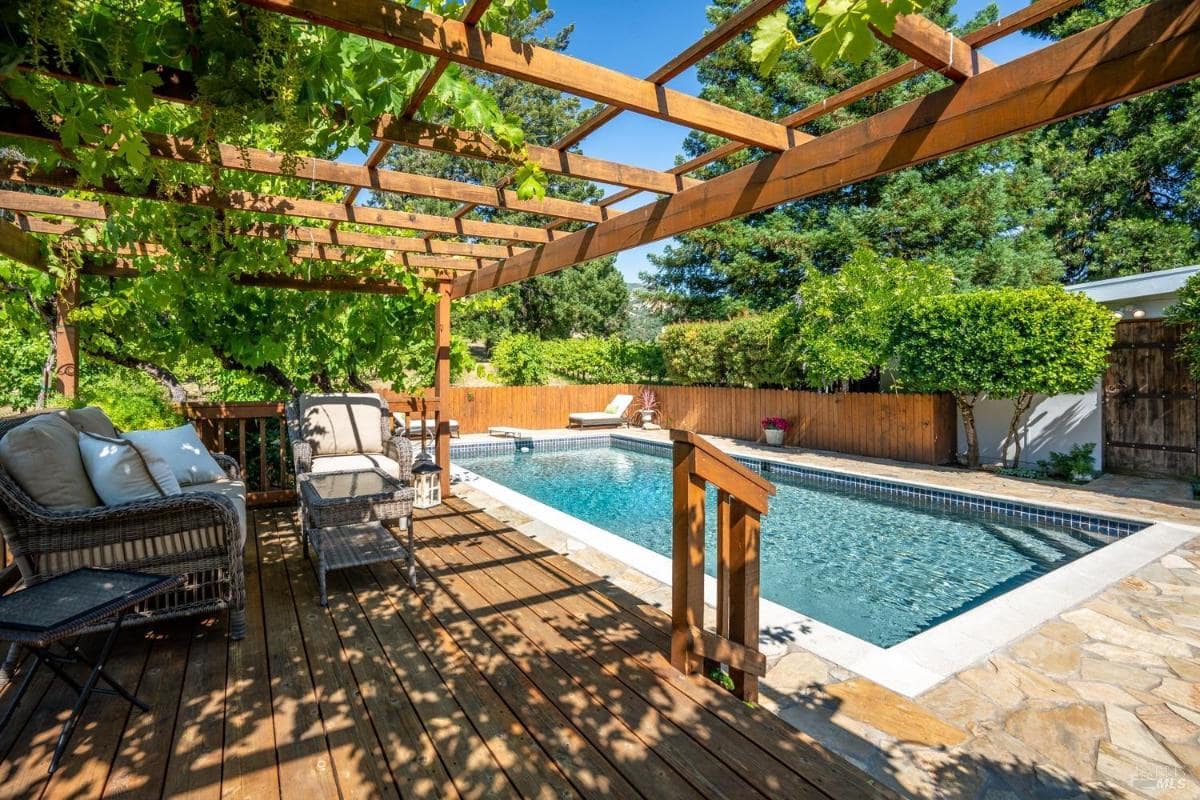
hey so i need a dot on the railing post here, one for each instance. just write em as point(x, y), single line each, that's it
point(441, 383)
point(724, 503)
point(743, 591)
point(687, 558)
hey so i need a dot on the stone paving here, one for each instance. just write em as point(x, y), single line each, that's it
point(1102, 701)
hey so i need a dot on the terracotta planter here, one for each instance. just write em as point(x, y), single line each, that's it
point(774, 436)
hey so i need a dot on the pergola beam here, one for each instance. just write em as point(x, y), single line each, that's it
point(20, 246)
point(29, 203)
point(430, 268)
point(938, 49)
point(24, 123)
point(413, 29)
point(209, 197)
point(19, 203)
point(470, 144)
point(1149, 48)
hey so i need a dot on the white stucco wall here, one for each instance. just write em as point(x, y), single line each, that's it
point(1052, 424)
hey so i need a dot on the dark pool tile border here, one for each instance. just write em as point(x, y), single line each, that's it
point(1038, 515)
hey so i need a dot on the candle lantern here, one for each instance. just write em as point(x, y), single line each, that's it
point(427, 482)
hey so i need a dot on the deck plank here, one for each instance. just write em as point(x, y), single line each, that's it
point(510, 672)
point(648, 752)
point(357, 755)
point(301, 743)
point(530, 768)
point(249, 767)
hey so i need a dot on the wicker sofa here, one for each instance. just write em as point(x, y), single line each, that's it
point(199, 534)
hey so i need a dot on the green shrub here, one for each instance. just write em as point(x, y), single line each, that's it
point(746, 351)
point(520, 360)
point(1065, 466)
point(692, 352)
point(610, 360)
point(132, 400)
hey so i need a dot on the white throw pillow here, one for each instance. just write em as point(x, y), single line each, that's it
point(182, 449)
point(121, 473)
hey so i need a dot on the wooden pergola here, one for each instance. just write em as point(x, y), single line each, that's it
point(1149, 48)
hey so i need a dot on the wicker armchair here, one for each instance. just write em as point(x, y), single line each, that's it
point(197, 535)
point(396, 450)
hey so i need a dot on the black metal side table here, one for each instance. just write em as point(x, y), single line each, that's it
point(48, 613)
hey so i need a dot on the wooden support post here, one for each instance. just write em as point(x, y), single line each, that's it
point(441, 382)
point(687, 559)
point(66, 339)
point(744, 525)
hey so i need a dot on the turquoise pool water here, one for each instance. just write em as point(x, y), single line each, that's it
point(878, 567)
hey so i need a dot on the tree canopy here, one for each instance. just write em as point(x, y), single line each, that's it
point(1109, 193)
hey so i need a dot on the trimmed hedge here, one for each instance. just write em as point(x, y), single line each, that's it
point(524, 360)
point(611, 360)
point(747, 351)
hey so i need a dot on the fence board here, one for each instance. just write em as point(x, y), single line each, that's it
point(908, 427)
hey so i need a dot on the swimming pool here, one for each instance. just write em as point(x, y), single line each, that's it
point(880, 561)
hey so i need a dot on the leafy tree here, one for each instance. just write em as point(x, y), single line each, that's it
point(520, 360)
point(605, 360)
point(1125, 179)
point(1004, 344)
point(843, 322)
point(587, 300)
point(748, 351)
point(981, 212)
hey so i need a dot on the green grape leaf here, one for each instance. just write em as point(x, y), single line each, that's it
point(771, 39)
point(531, 182)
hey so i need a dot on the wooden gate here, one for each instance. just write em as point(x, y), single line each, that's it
point(1150, 407)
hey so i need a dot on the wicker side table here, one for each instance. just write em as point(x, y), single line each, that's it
point(345, 517)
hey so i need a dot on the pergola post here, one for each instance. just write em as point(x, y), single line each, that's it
point(441, 381)
point(66, 338)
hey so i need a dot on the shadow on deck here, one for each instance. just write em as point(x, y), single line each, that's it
point(511, 672)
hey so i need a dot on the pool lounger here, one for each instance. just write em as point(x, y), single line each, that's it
point(505, 432)
point(611, 417)
point(414, 428)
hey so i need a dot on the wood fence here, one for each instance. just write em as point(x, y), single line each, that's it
point(906, 427)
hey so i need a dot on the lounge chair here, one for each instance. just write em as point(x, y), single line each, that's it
point(611, 417)
point(343, 432)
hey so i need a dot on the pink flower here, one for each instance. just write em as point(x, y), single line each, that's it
point(775, 424)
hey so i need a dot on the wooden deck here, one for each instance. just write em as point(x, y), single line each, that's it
point(511, 673)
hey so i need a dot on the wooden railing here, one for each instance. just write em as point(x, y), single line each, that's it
point(741, 502)
point(256, 435)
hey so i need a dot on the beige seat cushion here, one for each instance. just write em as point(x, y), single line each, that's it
point(361, 461)
point(586, 418)
point(90, 420)
point(235, 491)
point(42, 456)
point(341, 424)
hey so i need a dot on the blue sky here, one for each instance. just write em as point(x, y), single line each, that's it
point(637, 38)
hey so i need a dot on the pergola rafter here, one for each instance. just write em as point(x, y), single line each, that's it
point(236, 200)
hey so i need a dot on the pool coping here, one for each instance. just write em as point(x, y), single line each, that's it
point(918, 663)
